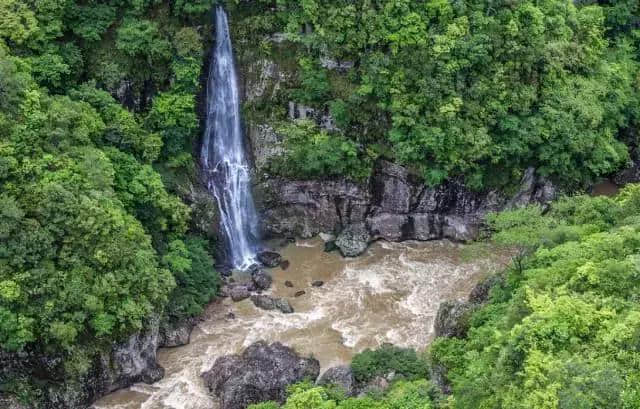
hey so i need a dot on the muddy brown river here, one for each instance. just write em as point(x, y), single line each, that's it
point(390, 294)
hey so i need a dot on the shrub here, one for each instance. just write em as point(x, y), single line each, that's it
point(388, 358)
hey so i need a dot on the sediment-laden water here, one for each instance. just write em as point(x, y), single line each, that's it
point(390, 294)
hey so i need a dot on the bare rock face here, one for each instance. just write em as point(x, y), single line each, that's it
point(340, 376)
point(121, 366)
point(261, 373)
point(452, 319)
point(393, 206)
point(175, 334)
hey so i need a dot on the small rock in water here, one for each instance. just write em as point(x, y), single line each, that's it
point(239, 293)
point(284, 306)
point(299, 293)
point(284, 264)
point(264, 302)
point(231, 316)
point(288, 284)
point(261, 280)
point(317, 283)
point(269, 258)
point(330, 246)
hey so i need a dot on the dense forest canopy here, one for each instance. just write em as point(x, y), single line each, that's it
point(93, 239)
point(471, 89)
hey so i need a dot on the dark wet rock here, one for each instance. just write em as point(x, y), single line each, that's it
point(284, 264)
point(330, 246)
point(269, 258)
point(317, 283)
point(284, 306)
point(261, 373)
point(353, 240)
point(299, 293)
point(480, 293)
point(340, 376)
point(533, 189)
point(230, 316)
point(394, 206)
point(388, 226)
point(175, 334)
point(266, 302)
point(460, 229)
point(261, 280)
point(239, 292)
point(452, 319)
point(307, 208)
point(120, 366)
point(438, 375)
point(288, 284)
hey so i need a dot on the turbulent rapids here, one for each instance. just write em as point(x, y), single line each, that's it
point(223, 153)
point(390, 294)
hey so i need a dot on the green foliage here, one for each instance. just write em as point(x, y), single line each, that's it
point(388, 358)
point(92, 243)
point(314, 153)
point(402, 395)
point(479, 90)
point(562, 331)
point(197, 281)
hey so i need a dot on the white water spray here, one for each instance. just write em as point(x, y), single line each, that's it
point(223, 155)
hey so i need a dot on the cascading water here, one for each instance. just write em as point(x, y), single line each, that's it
point(223, 156)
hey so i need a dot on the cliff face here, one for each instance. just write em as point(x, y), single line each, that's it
point(393, 205)
point(131, 361)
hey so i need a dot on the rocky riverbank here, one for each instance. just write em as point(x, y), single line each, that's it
point(393, 206)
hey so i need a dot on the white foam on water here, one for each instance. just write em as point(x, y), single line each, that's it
point(390, 294)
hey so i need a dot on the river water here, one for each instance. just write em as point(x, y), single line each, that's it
point(390, 294)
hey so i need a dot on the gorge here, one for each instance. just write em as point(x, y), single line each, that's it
point(340, 204)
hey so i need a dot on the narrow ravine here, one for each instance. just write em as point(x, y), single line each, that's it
point(390, 294)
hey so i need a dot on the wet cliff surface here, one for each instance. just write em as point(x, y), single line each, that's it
point(394, 206)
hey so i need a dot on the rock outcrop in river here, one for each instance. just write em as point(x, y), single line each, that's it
point(261, 373)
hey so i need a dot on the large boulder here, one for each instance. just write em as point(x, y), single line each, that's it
point(175, 334)
point(270, 258)
point(353, 240)
point(340, 376)
point(266, 302)
point(452, 319)
point(239, 292)
point(261, 280)
point(261, 373)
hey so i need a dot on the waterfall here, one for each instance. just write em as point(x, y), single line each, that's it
point(223, 156)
